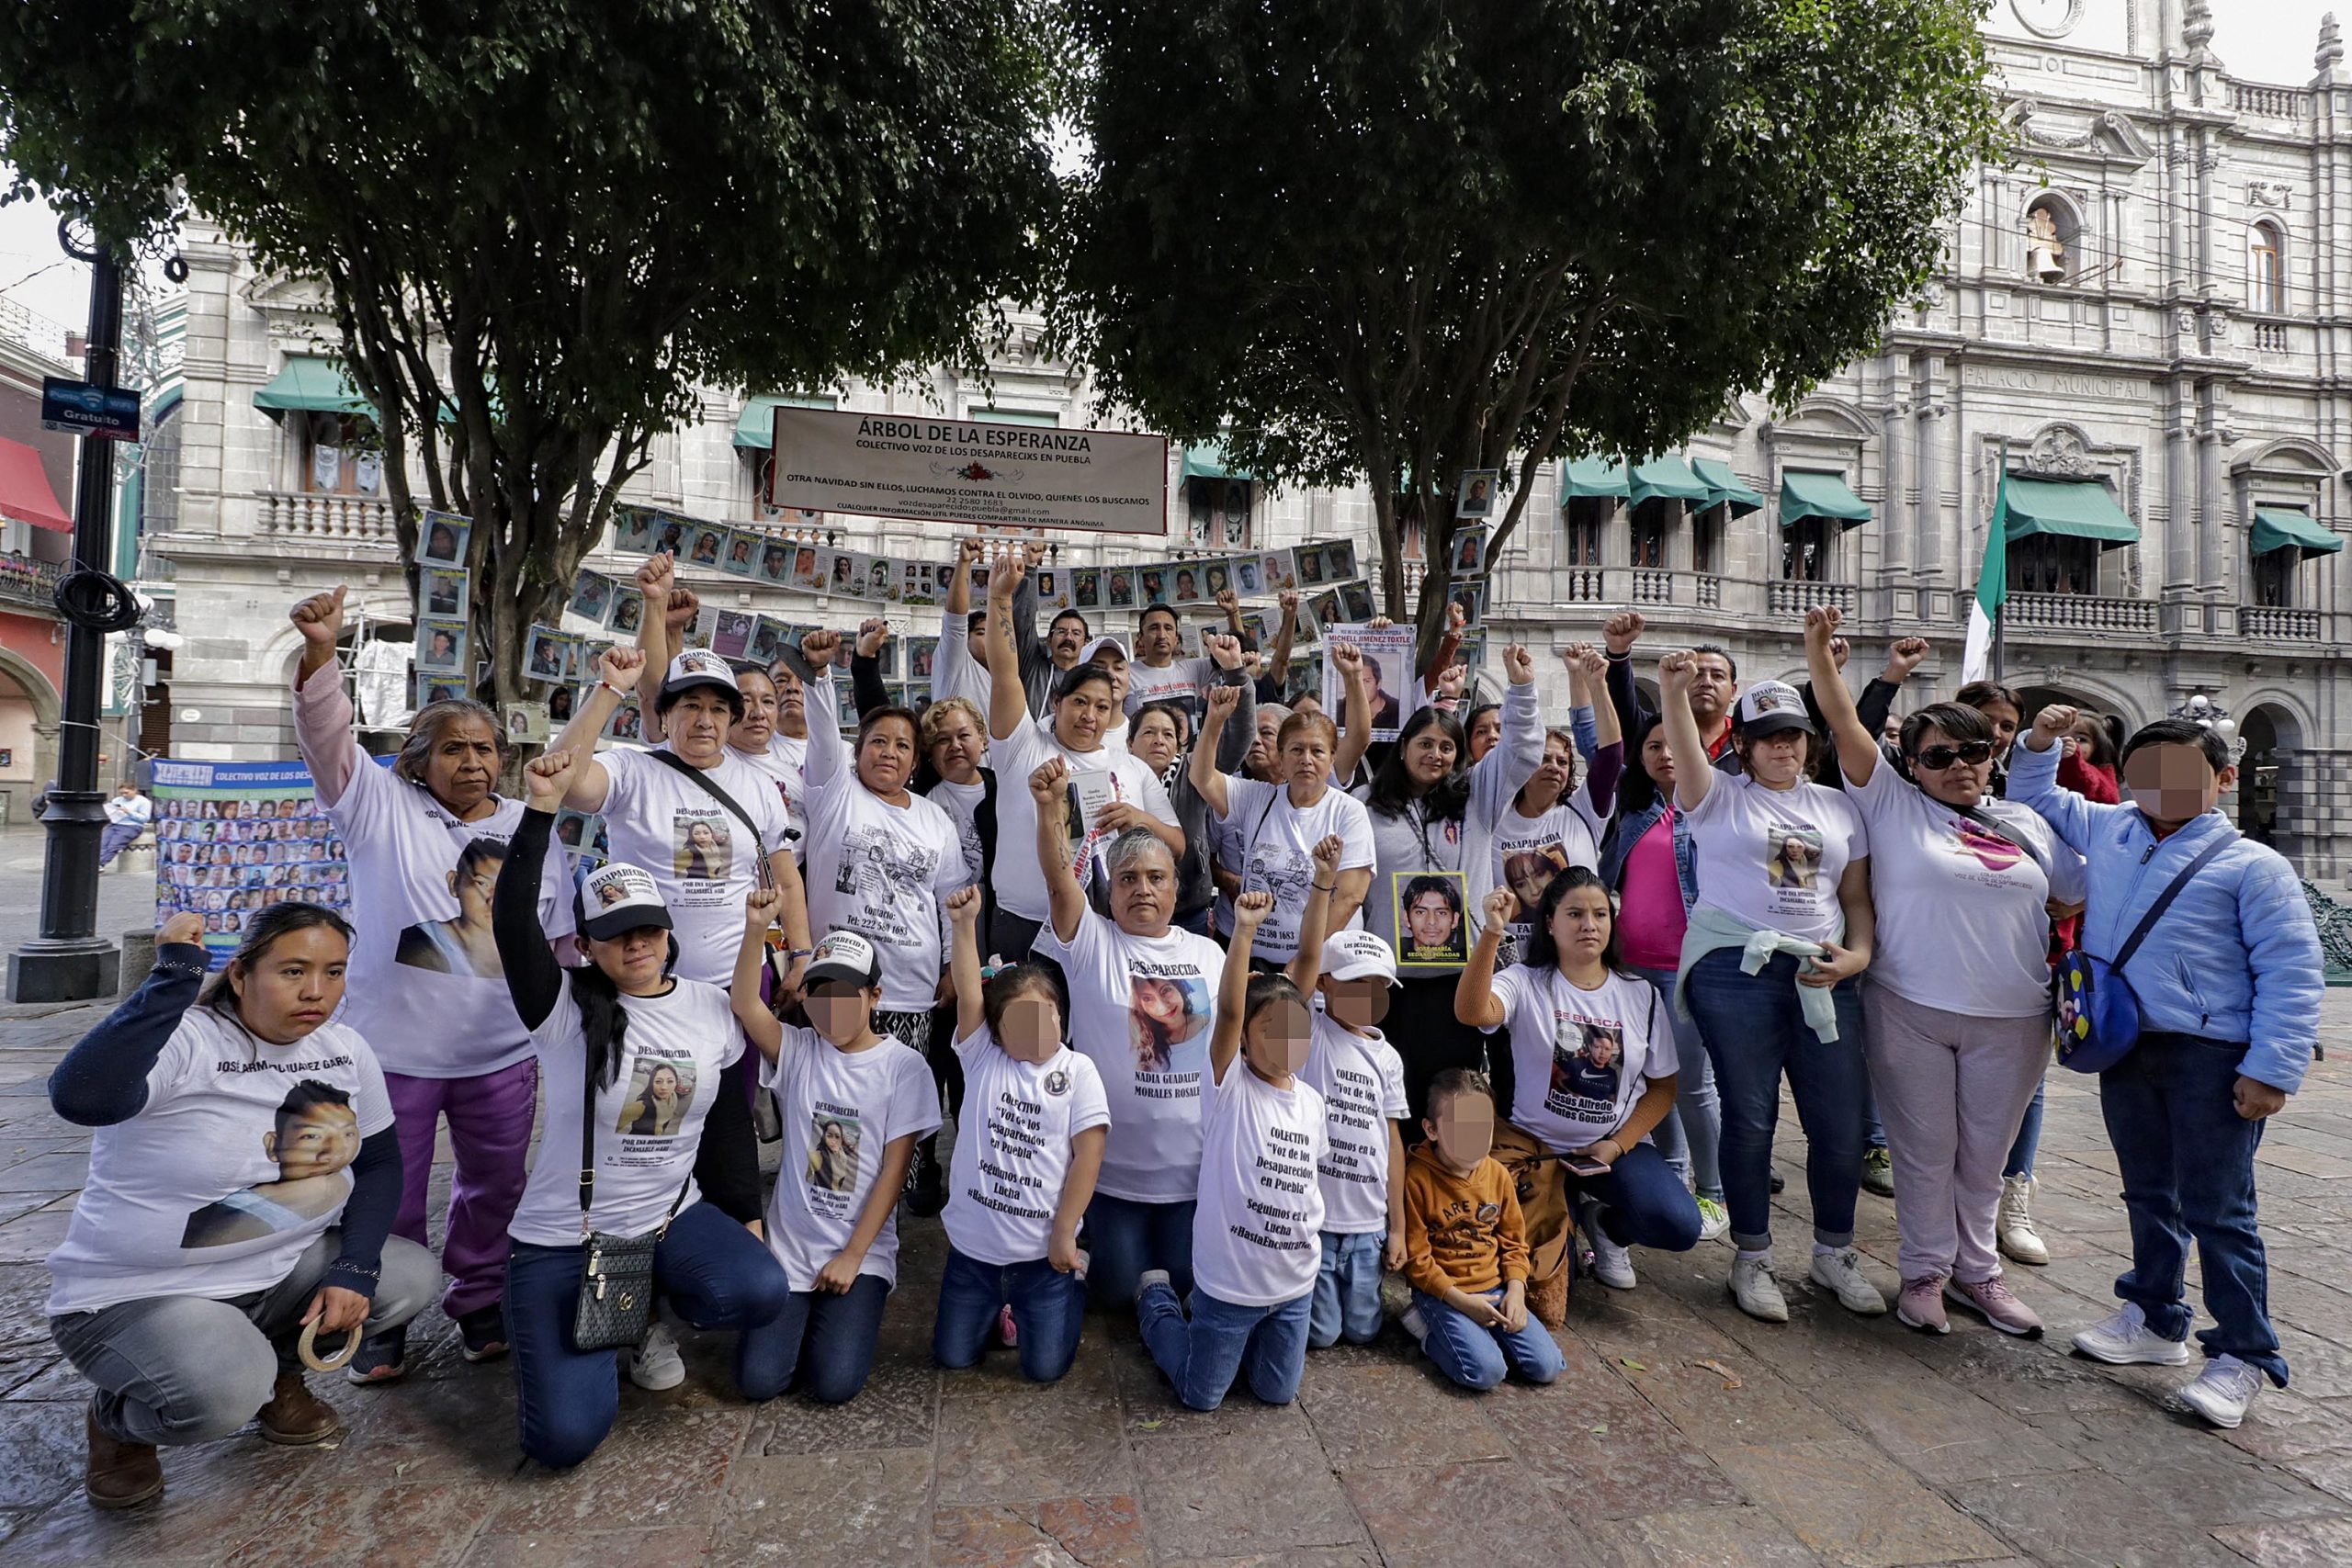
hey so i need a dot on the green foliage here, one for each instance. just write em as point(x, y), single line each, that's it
point(1376, 239)
point(558, 218)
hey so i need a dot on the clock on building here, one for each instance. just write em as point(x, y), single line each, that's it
point(2048, 18)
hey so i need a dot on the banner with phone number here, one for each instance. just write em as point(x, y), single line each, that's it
point(231, 839)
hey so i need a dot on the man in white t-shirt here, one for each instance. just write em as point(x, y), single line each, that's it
point(1158, 675)
point(128, 815)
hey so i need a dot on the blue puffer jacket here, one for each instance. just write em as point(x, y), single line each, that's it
point(2236, 957)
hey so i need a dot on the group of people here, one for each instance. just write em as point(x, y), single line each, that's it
point(1236, 1011)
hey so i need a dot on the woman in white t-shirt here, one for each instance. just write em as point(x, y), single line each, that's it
point(1110, 791)
point(1554, 822)
point(1142, 1003)
point(1958, 994)
point(1783, 878)
point(1023, 1173)
point(614, 1037)
point(1279, 824)
point(242, 1185)
point(1590, 1067)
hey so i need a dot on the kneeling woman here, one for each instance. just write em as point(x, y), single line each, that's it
point(629, 1063)
point(242, 1185)
point(1591, 1066)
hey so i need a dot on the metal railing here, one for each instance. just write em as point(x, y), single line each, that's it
point(24, 581)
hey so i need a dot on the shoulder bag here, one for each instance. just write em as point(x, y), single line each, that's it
point(2094, 1017)
point(614, 1306)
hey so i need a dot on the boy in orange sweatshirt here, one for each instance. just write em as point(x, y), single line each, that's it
point(1465, 1248)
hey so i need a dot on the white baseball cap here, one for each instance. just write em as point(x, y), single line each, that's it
point(1103, 645)
point(843, 955)
point(619, 898)
point(1358, 955)
point(700, 666)
point(1771, 706)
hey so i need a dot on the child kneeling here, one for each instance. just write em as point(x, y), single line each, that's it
point(1465, 1246)
point(1257, 1243)
point(1020, 1180)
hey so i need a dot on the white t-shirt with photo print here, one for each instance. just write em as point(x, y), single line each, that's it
point(696, 850)
point(1277, 856)
point(1143, 1009)
point(1543, 846)
point(648, 1119)
point(786, 763)
point(1020, 881)
point(1182, 682)
point(1012, 1147)
point(840, 1110)
point(1579, 1058)
point(238, 1162)
point(880, 870)
point(1361, 1080)
point(1257, 1234)
point(1773, 856)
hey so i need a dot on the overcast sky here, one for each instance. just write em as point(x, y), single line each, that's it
point(2263, 40)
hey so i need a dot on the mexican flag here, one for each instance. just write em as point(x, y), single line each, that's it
point(1992, 588)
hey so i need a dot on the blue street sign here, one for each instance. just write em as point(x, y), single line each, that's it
point(103, 413)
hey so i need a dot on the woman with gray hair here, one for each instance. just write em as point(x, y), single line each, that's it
point(419, 834)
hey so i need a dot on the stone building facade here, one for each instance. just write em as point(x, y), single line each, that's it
point(2148, 298)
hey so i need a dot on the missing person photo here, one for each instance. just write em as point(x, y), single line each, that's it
point(661, 1092)
point(1793, 854)
point(741, 551)
point(441, 645)
point(632, 530)
point(592, 597)
point(1428, 906)
point(832, 1152)
point(442, 590)
point(628, 612)
point(702, 844)
point(1166, 1013)
point(441, 539)
point(1475, 498)
point(544, 657)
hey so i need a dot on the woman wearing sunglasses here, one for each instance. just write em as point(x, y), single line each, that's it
point(1958, 991)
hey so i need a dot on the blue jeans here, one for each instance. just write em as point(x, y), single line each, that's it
point(823, 1341)
point(1754, 1033)
point(1873, 1130)
point(1125, 1237)
point(1475, 1355)
point(714, 1273)
point(2029, 1142)
point(1346, 1303)
point(1643, 1203)
point(1048, 1309)
point(1692, 1136)
point(2187, 1163)
point(1202, 1357)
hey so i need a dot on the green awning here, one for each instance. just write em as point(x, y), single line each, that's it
point(1666, 479)
point(1594, 475)
point(1806, 493)
point(1722, 485)
point(2277, 528)
point(755, 426)
point(2080, 509)
point(1207, 461)
point(312, 385)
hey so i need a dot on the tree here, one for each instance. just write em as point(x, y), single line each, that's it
point(543, 224)
point(1395, 240)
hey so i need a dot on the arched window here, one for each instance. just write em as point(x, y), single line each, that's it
point(2053, 240)
point(2265, 269)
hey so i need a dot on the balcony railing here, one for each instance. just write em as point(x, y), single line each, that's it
point(2080, 611)
point(1583, 586)
point(24, 581)
point(327, 519)
point(1795, 598)
point(2270, 337)
point(2271, 102)
point(1652, 586)
point(2289, 625)
point(1707, 590)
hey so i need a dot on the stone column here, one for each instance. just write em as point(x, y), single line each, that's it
point(1895, 513)
point(2179, 487)
point(1930, 463)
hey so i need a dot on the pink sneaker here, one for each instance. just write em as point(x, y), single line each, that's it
point(1004, 1330)
point(1997, 1304)
point(1921, 1305)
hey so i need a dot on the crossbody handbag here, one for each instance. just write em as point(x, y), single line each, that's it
point(2094, 1017)
point(614, 1306)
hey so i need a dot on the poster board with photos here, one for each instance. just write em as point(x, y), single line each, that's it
point(232, 839)
point(1389, 669)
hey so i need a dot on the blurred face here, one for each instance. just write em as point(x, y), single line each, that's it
point(1356, 1004)
point(1275, 1039)
point(634, 960)
point(1777, 760)
point(838, 1011)
point(1306, 762)
point(698, 723)
point(1485, 733)
point(321, 1141)
point(1030, 1028)
point(1580, 927)
point(1945, 776)
point(1712, 688)
point(1153, 738)
point(293, 985)
point(2172, 784)
point(886, 756)
point(1156, 640)
point(1428, 757)
point(1143, 892)
point(1083, 717)
point(462, 765)
point(959, 749)
point(754, 730)
point(1463, 1128)
point(2004, 720)
point(1431, 920)
point(1067, 635)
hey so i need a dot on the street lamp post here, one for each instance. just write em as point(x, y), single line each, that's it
point(68, 961)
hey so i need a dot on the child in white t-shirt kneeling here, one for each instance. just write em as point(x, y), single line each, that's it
point(1361, 1080)
point(1023, 1166)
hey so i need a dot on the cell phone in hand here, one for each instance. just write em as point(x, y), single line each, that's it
point(1583, 1165)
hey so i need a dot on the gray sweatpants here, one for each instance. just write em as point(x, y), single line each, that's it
point(173, 1370)
point(1951, 1089)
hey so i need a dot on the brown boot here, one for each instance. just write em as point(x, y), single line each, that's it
point(295, 1415)
point(120, 1474)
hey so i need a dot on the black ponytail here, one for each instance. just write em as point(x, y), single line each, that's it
point(603, 1022)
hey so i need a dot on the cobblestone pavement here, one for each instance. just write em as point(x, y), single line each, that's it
point(1681, 1432)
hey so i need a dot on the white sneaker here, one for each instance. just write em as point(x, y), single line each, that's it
point(656, 1364)
point(1714, 1219)
point(1148, 1279)
point(2013, 1222)
point(2223, 1390)
point(1758, 1293)
point(2126, 1340)
point(1611, 1264)
point(1841, 1273)
point(1415, 1325)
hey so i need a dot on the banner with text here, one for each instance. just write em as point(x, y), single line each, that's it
point(969, 471)
point(231, 839)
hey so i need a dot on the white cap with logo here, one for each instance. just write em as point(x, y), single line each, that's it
point(1771, 706)
point(619, 898)
point(1358, 956)
point(845, 956)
